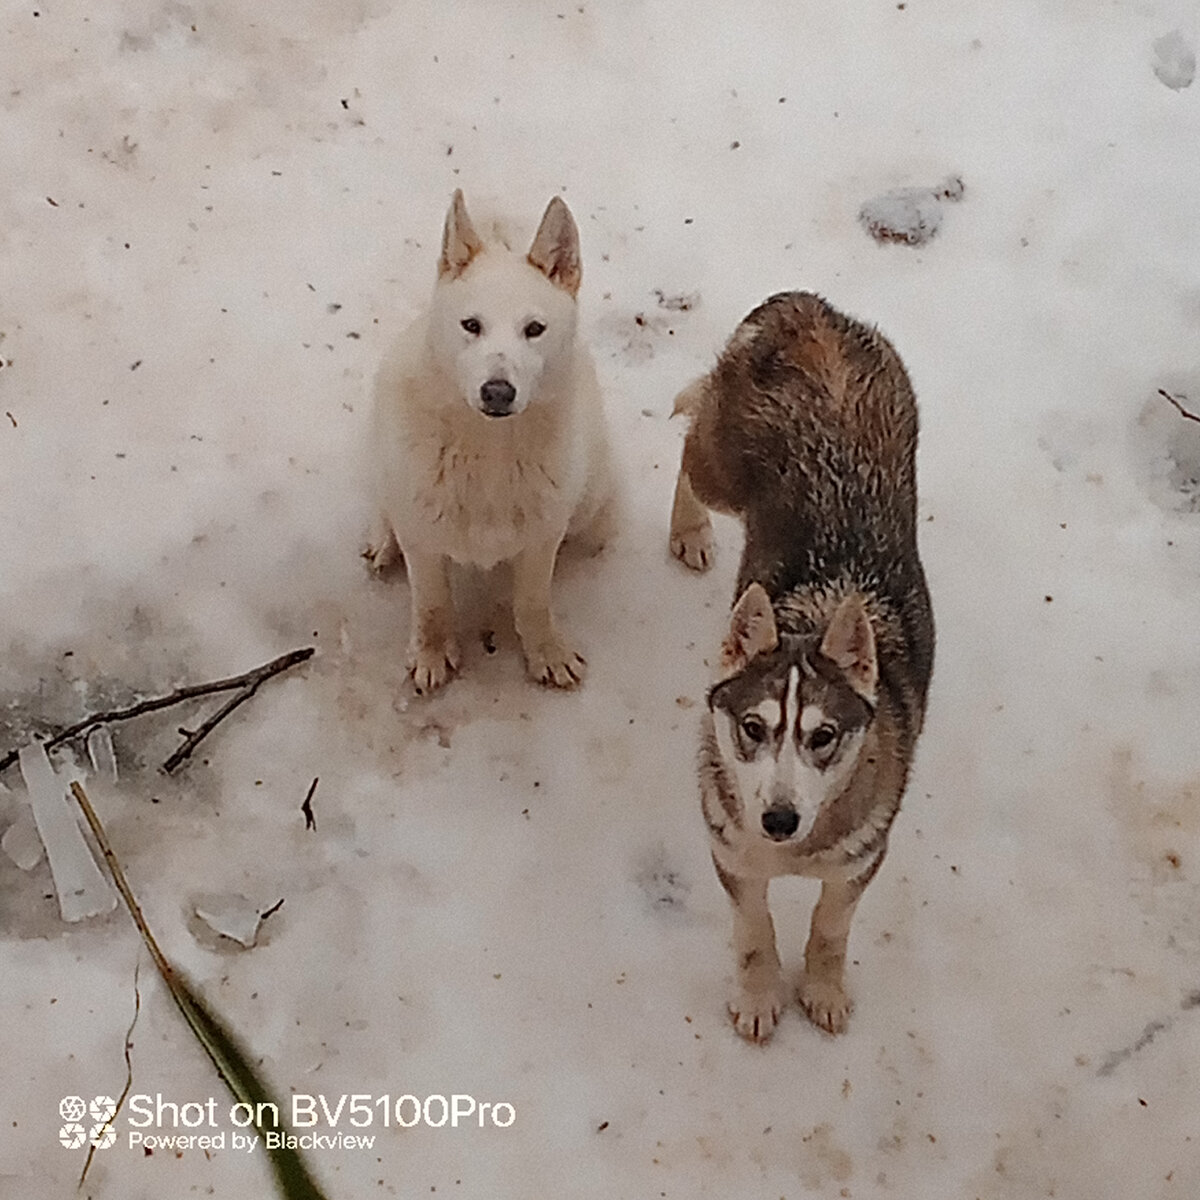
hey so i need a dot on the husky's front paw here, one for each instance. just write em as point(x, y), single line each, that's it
point(551, 662)
point(755, 1012)
point(432, 663)
point(694, 546)
point(826, 1003)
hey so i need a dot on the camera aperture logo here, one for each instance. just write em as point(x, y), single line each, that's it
point(99, 1132)
point(346, 1122)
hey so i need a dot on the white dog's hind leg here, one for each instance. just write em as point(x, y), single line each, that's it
point(549, 659)
point(383, 551)
point(433, 654)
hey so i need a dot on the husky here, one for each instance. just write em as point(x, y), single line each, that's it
point(806, 429)
point(488, 438)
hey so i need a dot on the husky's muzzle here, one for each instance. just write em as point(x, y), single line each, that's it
point(497, 397)
point(780, 823)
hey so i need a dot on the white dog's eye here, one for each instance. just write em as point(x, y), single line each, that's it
point(472, 326)
point(534, 329)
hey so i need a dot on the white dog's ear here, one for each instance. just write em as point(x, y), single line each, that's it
point(751, 630)
point(850, 643)
point(460, 242)
point(555, 249)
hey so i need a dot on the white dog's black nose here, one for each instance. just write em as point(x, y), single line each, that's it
point(497, 396)
point(780, 823)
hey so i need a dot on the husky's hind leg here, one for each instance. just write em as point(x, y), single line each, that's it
point(691, 527)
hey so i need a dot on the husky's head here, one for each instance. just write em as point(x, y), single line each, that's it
point(791, 714)
point(502, 323)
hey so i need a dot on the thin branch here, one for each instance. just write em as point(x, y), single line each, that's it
point(1183, 412)
point(193, 739)
point(251, 680)
point(137, 1009)
point(310, 821)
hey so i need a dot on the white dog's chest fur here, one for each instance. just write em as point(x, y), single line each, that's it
point(481, 506)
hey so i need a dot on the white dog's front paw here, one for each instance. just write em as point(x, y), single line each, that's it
point(694, 546)
point(755, 1011)
point(431, 663)
point(826, 1003)
point(556, 665)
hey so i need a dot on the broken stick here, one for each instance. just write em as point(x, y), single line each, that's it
point(248, 683)
point(310, 821)
point(1183, 412)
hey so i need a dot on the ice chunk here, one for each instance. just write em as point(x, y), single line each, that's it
point(21, 842)
point(911, 215)
point(102, 753)
point(233, 916)
point(1174, 60)
point(82, 889)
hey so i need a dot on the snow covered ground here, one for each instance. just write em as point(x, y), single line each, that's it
point(215, 215)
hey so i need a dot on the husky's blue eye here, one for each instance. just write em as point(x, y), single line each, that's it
point(534, 329)
point(472, 326)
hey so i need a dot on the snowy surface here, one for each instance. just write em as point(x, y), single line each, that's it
point(214, 217)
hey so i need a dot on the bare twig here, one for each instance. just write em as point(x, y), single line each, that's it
point(1183, 412)
point(310, 821)
point(137, 1008)
point(249, 682)
point(270, 912)
point(195, 737)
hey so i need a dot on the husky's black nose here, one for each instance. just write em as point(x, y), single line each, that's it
point(498, 396)
point(780, 823)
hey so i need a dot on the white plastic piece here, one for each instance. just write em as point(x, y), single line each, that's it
point(102, 753)
point(82, 889)
point(232, 916)
point(21, 842)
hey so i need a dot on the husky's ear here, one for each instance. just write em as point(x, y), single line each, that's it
point(751, 630)
point(460, 242)
point(555, 249)
point(849, 643)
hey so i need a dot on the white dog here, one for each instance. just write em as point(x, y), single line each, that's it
point(488, 439)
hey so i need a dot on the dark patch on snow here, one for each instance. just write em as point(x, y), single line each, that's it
point(663, 885)
point(1165, 446)
point(1174, 61)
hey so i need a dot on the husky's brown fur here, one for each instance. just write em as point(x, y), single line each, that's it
point(806, 429)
